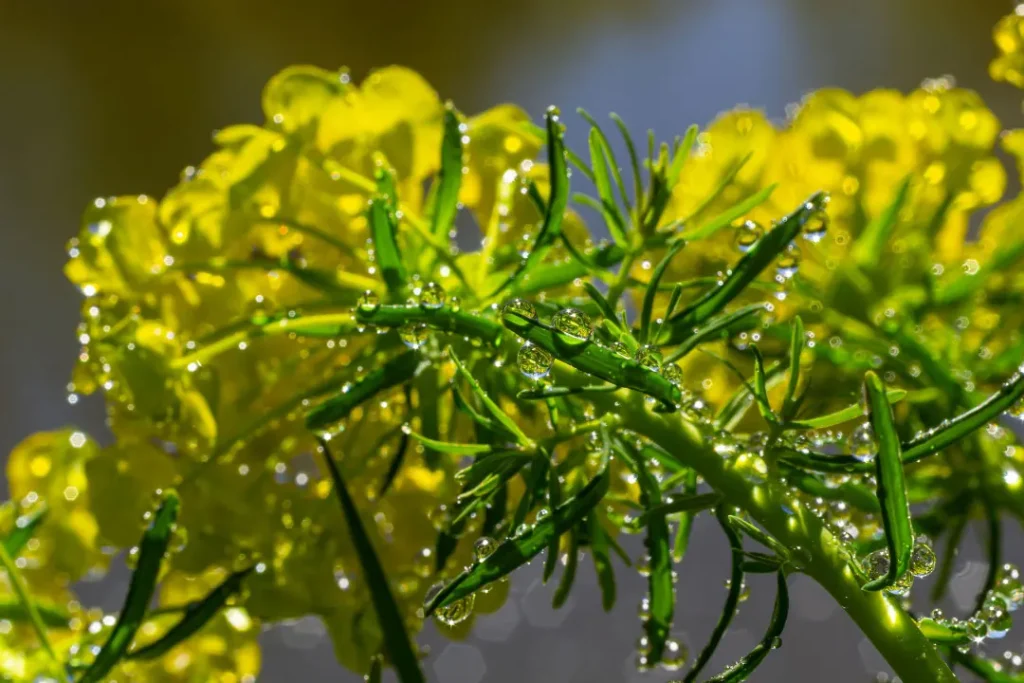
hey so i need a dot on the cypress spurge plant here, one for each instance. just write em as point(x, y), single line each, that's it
point(351, 417)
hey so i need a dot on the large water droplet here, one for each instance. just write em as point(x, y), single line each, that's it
point(674, 656)
point(413, 335)
point(369, 301)
point(432, 296)
point(922, 560)
point(747, 235)
point(789, 261)
point(816, 226)
point(457, 611)
point(649, 357)
point(484, 548)
point(673, 373)
point(862, 443)
point(572, 325)
point(519, 307)
point(533, 361)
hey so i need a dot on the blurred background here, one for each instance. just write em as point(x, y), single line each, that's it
point(114, 97)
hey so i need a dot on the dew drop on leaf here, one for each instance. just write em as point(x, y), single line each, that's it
point(369, 301)
point(862, 443)
point(922, 560)
point(432, 296)
point(534, 362)
point(673, 373)
point(573, 325)
point(484, 548)
point(413, 335)
point(457, 611)
point(789, 261)
point(816, 226)
point(674, 656)
point(649, 357)
point(519, 307)
point(747, 235)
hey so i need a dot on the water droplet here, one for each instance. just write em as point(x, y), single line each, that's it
point(876, 564)
point(673, 373)
point(747, 235)
point(572, 325)
point(519, 307)
point(995, 614)
point(789, 261)
point(922, 560)
point(902, 586)
point(534, 362)
point(457, 611)
point(413, 335)
point(977, 629)
point(369, 301)
point(862, 444)
point(455, 303)
point(649, 357)
point(432, 296)
point(484, 548)
point(674, 656)
point(815, 227)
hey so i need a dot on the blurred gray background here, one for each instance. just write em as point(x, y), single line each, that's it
point(108, 97)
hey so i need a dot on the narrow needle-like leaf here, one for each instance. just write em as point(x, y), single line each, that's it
point(195, 617)
point(140, 591)
point(396, 639)
point(518, 550)
point(892, 489)
point(394, 372)
point(742, 669)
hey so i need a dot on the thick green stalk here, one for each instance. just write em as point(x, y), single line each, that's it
point(816, 551)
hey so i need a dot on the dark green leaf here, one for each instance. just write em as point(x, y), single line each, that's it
point(24, 529)
point(544, 393)
point(384, 231)
point(870, 243)
point(551, 227)
point(848, 413)
point(612, 216)
point(152, 548)
point(449, 177)
point(634, 161)
point(796, 346)
point(682, 539)
point(694, 502)
point(731, 214)
point(732, 599)
point(396, 462)
point(518, 550)
point(742, 669)
point(929, 442)
point(761, 387)
point(714, 328)
point(444, 319)
point(453, 448)
point(661, 589)
point(569, 573)
point(739, 403)
point(742, 525)
point(892, 489)
point(376, 670)
point(396, 640)
point(535, 483)
point(652, 290)
point(595, 360)
point(496, 412)
point(602, 562)
point(607, 310)
point(554, 500)
point(745, 270)
point(394, 372)
point(51, 616)
point(195, 617)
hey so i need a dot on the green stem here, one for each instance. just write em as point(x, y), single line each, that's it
point(816, 551)
point(21, 590)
